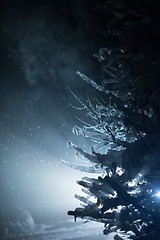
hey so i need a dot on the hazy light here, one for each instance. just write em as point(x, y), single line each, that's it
point(157, 194)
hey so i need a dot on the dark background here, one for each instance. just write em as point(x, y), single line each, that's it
point(42, 45)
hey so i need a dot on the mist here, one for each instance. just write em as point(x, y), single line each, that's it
point(42, 46)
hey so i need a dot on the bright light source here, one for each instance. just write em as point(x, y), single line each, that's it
point(157, 194)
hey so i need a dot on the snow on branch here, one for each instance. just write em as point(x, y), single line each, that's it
point(92, 83)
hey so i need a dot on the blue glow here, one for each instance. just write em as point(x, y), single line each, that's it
point(157, 194)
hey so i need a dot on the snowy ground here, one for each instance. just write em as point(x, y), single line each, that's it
point(26, 228)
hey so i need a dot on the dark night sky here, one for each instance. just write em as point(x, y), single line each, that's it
point(42, 45)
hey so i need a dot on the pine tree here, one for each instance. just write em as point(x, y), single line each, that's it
point(124, 125)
